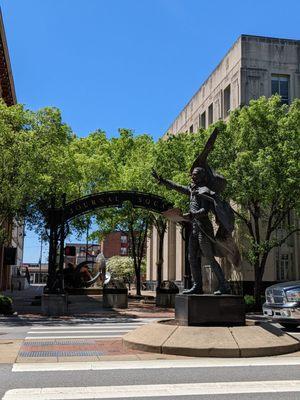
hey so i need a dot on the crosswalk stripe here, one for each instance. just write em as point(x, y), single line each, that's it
point(126, 391)
point(115, 325)
point(103, 330)
point(156, 364)
point(73, 337)
point(81, 331)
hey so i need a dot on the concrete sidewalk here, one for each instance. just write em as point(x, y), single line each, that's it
point(88, 308)
point(151, 341)
point(9, 350)
point(27, 302)
point(14, 351)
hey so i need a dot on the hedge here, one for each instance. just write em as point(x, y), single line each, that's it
point(5, 305)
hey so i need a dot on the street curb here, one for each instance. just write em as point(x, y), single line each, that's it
point(253, 340)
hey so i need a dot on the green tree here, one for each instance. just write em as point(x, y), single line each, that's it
point(15, 140)
point(96, 167)
point(259, 153)
point(36, 164)
point(50, 169)
point(127, 163)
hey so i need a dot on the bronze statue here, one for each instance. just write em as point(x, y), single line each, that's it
point(204, 191)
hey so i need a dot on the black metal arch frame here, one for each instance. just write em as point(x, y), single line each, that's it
point(58, 217)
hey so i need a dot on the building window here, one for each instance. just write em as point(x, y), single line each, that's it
point(280, 85)
point(210, 114)
point(227, 101)
point(283, 273)
point(202, 120)
point(191, 129)
point(123, 239)
point(123, 251)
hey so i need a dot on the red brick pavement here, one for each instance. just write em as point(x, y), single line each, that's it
point(105, 347)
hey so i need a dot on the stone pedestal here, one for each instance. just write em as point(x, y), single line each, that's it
point(209, 310)
point(165, 295)
point(115, 298)
point(165, 299)
point(54, 304)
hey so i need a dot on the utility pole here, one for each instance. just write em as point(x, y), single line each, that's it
point(40, 261)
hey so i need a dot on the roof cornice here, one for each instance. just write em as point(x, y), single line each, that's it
point(6, 76)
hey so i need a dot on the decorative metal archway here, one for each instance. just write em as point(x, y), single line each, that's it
point(58, 217)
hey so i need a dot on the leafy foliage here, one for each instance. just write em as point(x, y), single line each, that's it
point(258, 151)
point(6, 305)
point(121, 267)
point(262, 164)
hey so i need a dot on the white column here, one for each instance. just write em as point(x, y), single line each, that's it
point(149, 269)
point(154, 253)
point(179, 268)
point(165, 267)
point(172, 251)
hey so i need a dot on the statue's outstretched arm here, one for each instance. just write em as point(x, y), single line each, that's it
point(169, 184)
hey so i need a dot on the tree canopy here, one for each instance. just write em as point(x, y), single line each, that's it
point(36, 163)
point(258, 151)
point(263, 172)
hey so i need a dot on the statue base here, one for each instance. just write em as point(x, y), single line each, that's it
point(165, 295)
point(54, 304)
point(115, 298)
point(209, 310)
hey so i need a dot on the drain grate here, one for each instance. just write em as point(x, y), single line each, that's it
point(59, 343)
point(60, 353)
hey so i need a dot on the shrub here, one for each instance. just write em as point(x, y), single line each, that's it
point(5, 305)
point(250, 303)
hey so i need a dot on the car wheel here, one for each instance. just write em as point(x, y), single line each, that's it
point(289, 325)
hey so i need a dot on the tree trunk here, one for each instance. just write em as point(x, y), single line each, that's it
point(160, 261)
point(136, 266)
point(138, 280)
point(257, 290)
point(259, 273)
point(138, 244)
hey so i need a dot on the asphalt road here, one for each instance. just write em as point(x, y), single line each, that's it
point(24, 327)
point(271, 378)
point(18, 327)
point(156, 382)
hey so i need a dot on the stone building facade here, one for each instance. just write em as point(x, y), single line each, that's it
point(253, 67)
point(15, 232)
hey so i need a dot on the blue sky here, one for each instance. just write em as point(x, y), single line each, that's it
point(127, 63)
